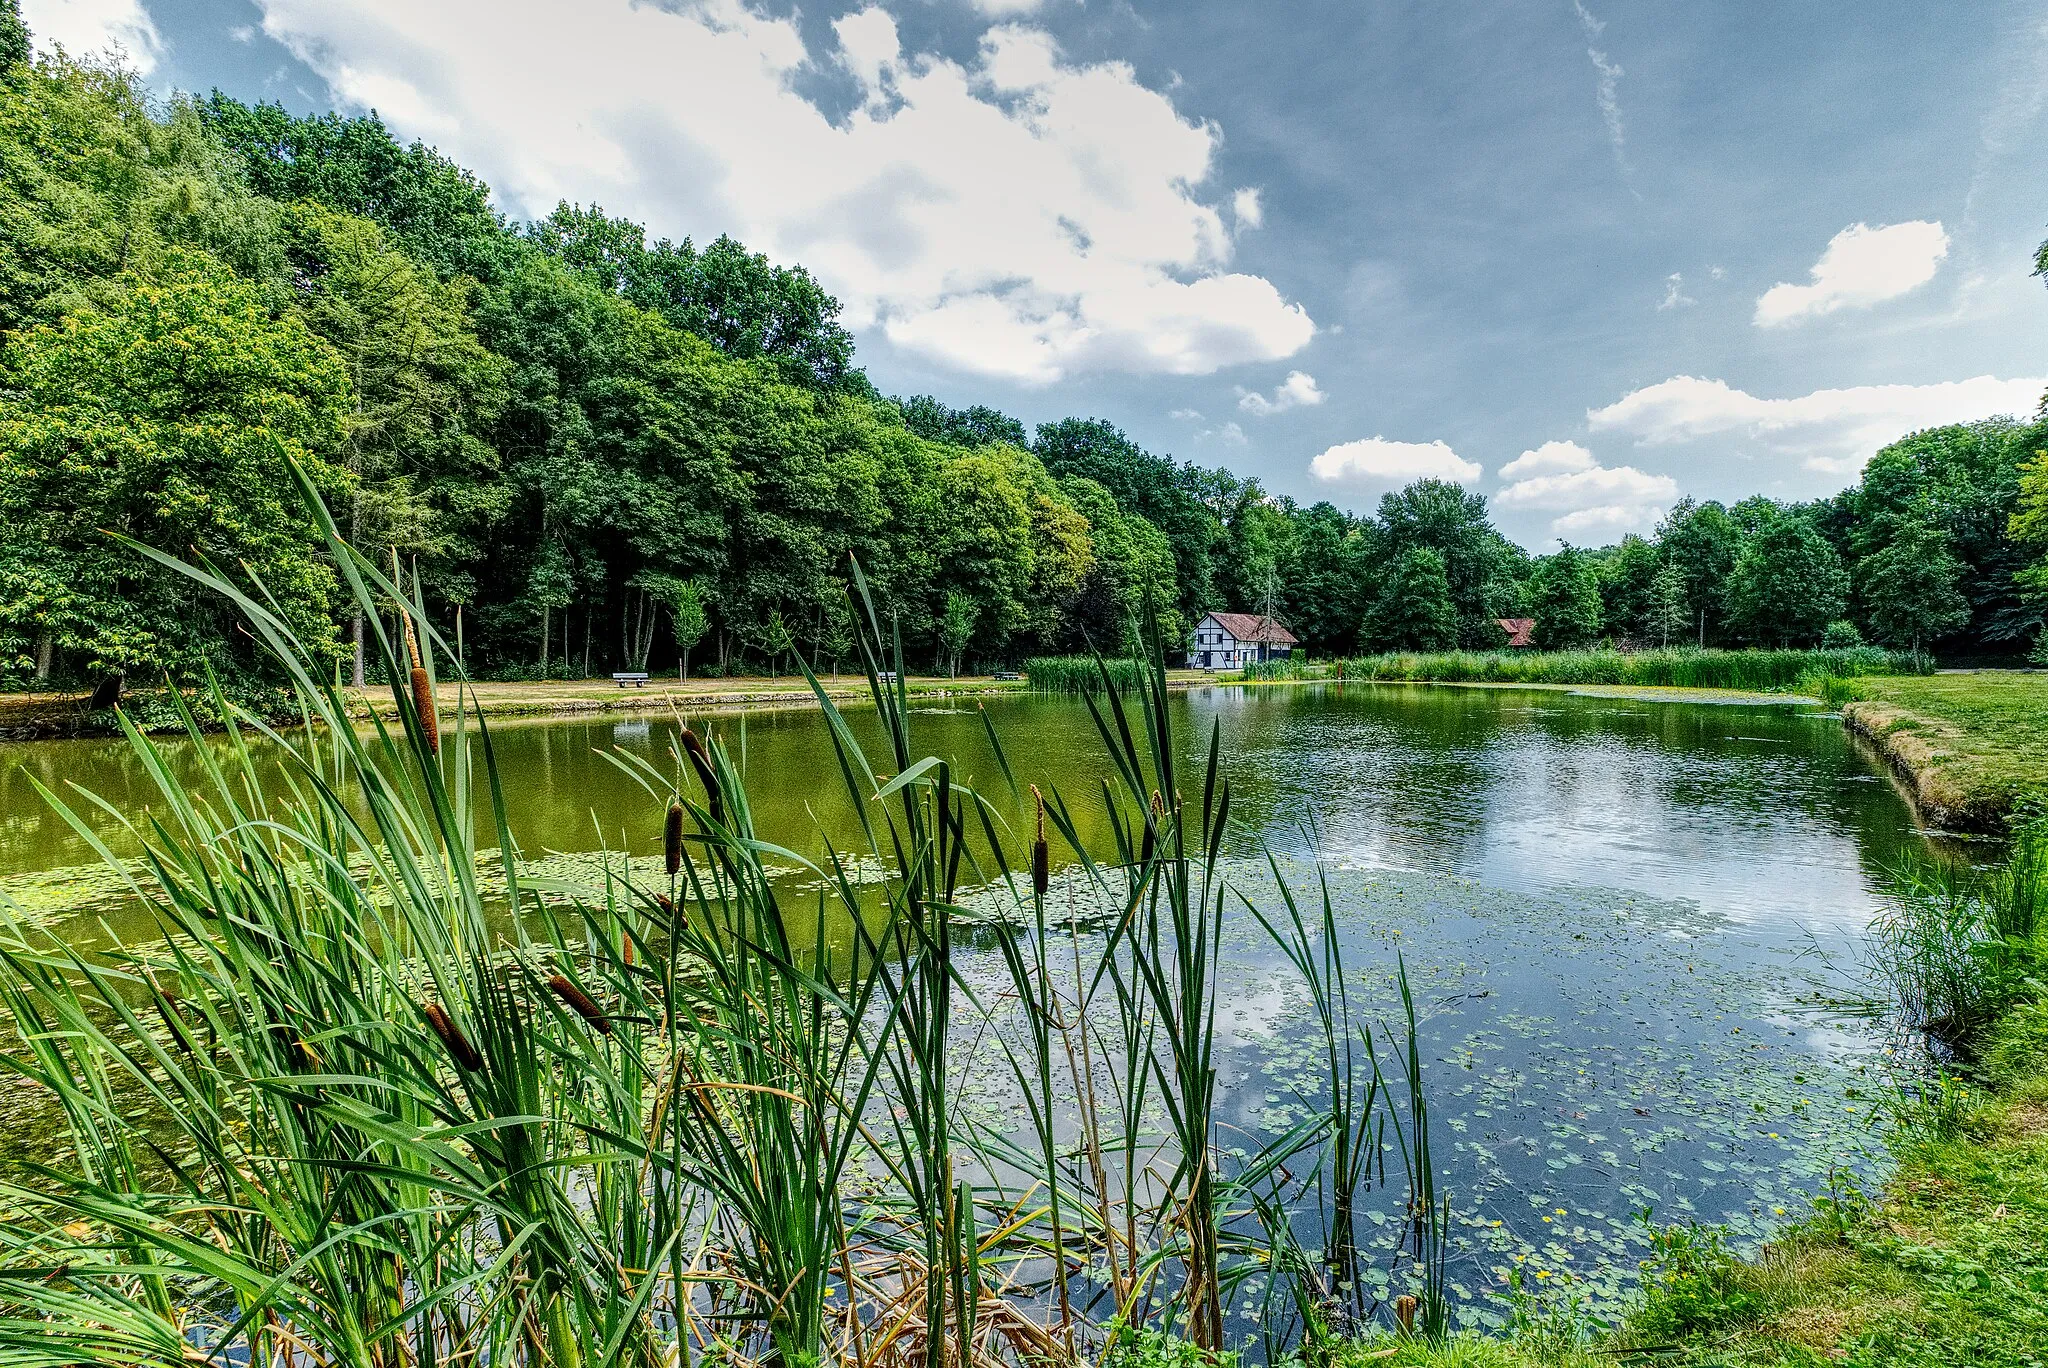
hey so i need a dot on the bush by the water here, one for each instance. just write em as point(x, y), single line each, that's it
point(1675, 668)
point(1080, 673)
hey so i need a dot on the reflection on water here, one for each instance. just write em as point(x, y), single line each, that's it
point(1603, 904)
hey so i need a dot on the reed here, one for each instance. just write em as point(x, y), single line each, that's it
point(1081, 674)
point(1758, 670)
point(350, 1107)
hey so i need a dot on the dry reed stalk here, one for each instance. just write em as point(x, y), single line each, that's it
point(580, 1003)
point(452, 1038)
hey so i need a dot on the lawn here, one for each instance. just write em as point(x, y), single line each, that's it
point(1974, 745)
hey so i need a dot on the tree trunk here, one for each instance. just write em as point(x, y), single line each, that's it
point(355, 632)
point(106, 693)
point(547, 636)
point(46, 645)
point(683, 667)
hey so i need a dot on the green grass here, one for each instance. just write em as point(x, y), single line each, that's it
point(1674, 668)
point(1976, 743)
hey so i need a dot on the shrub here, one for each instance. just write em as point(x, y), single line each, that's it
point(1841, 635)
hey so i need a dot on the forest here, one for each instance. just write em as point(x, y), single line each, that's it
point(599, 452)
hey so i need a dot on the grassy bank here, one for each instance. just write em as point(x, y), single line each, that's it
point(1948, 1268)
point(1972, 746)
point(1675, 668)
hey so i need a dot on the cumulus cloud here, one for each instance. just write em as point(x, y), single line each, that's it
point(1230, 434)
point(1187, 415)
point(1018, 215)
point(1376, 463)
point(1833, 431)
point(1861, 266)
point(87, 26)
point(1675, 296)
point(1004, 9)
point(1298, 390)
point(1549, 459)
point(1592, 501)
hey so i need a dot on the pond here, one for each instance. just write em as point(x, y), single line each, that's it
point(1622, 920)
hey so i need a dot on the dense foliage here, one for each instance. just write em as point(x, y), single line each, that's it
point(607, 453)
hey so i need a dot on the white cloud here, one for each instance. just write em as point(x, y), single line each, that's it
point(1549, 459)
point(1298, 390)
point(1020, 215)
point(1230, 434)
point(1187, 415)
point(1832, 430)
point(1003, 9)
point(89, 26)
point(1675, 296)
point(1605, 92)
point(1247, 208)
point(1861, 266)
point(1592, 502)
point(1376, 463)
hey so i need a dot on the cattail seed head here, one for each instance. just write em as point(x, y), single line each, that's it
point(452, 1038)
point(700, 760)
point(1404, 1313)
point(1041, 855)
point(672, 838)
point(423, 704)
point(579, 1002)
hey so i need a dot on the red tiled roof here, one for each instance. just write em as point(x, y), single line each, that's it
point(1251, 627)
point(1518, 630)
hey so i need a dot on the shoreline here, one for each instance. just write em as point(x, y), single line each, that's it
point(53, 717)
point(43, 717)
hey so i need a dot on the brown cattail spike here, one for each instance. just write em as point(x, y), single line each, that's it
point(1404, 1313)
point(700, 760)
point(457, 1044)
point(1041, 855)
point(579, 1002)
point(423, 705)
point(672, 838)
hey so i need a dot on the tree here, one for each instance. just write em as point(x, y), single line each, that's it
point(1702, 541)
point(1413, 611)
point(688, 619)
point(1479, 564)
point(974, 426)
point(956, 629)
point(14, 48)
point(1909, 589)
point(1566, 602)
point(1669, 613)
point(2028, 523)
point(170, 414)
point(1787, 583)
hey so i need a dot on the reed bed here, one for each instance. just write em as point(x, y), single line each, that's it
point(1082, 674)
point(1759, 670)
point(347, 1108)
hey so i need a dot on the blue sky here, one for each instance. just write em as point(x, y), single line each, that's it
point(1585, 257)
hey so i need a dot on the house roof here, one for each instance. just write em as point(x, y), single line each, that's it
point(1251, 627)
point(1518, 630)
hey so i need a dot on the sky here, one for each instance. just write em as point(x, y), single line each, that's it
point(1584, 256)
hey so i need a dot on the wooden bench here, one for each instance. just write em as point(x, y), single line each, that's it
point(1006, 675)
point(886, 676)
point(638, 679)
